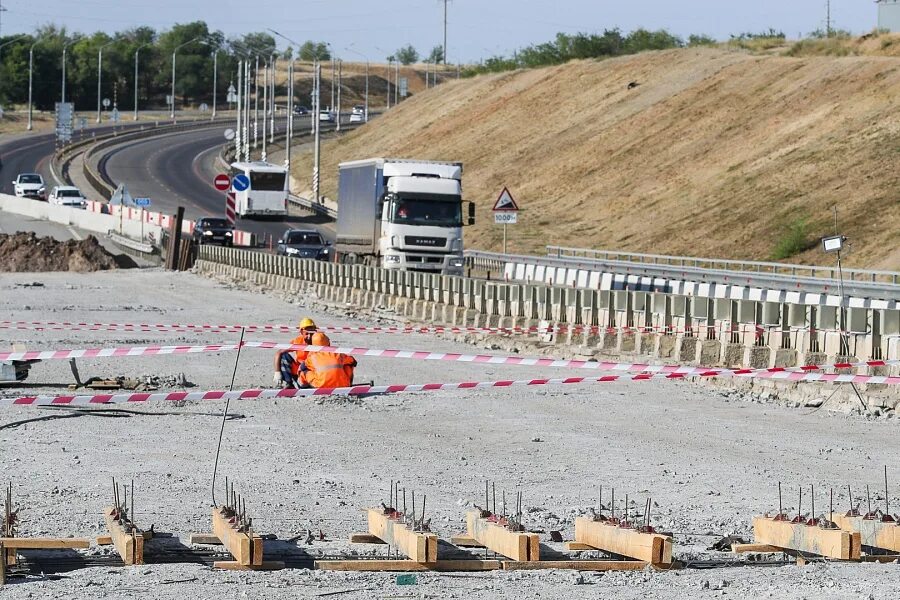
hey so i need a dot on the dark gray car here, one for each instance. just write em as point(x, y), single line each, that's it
point(304, 243)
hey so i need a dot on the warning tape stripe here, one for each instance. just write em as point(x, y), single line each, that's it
point(425, 355)
point(255, 394)
point(161, 327)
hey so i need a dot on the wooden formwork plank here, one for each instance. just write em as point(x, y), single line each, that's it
point(578, 547)
point(239, 544)
point(465, 541)
point(420, 547)
point(874, 533)
point(831, 543)
point(365, 538)
point(129, 545)
point(17, 543)
point(578, 565)
point(512, 544)
point(204, 538)
point(2, 566)
point(763, 548)
point(407, 565)
point(653, 548)
point(233, 565)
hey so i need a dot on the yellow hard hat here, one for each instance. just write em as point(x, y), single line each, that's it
point(307, 323)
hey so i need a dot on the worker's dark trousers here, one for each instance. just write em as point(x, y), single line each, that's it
point(287, 363)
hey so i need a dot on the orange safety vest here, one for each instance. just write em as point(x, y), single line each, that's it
point(299, 354)
point(329, 369)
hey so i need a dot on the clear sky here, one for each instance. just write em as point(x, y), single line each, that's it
point(477, 28)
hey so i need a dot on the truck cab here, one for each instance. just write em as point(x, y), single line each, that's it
point(402, 214)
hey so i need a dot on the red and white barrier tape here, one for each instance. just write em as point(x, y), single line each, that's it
point(533, 329)
point(257, 394)
point(425, 355)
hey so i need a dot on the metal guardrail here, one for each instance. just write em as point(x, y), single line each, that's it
point(132, 244)
point(741, 266)
point(773, 281)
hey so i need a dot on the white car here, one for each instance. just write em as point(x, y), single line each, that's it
point(326, 115)
point(359, 109)
point(30, 185)
point(66, 195)
point(357, 118)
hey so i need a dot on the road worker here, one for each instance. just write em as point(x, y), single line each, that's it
point(327, 369)
point(287, 366)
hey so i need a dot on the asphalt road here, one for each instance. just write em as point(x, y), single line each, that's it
point(178, 170)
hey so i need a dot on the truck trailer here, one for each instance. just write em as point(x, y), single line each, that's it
point(402, 214)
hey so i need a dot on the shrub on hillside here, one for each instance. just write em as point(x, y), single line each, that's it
point(795, 238)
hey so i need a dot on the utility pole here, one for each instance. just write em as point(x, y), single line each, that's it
point(340, 77)
point(828, 18)
point(215, 82)
point(256, 104)
point(272, 96)
point(445, 31)
point(317, 84)
point(246, 111)
point(290, 120)
point(239, 108)
point(265, 137)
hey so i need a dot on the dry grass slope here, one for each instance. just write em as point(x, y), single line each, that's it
point(715, 153)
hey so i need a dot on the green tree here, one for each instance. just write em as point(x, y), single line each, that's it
point(311, 51)
point(437, 55)
point(701, 40)
point(407, 55)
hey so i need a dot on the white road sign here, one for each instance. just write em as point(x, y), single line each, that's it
point(506, 218)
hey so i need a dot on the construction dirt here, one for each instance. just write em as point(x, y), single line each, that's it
point(24, 252)
point(700, 152)
point(709, 460)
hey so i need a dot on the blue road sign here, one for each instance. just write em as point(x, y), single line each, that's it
point(142, 201)
point(240, 182)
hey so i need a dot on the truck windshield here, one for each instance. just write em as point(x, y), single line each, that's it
point(420, 211)
point(266, 182)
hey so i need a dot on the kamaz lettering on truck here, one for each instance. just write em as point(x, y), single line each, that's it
point(402, 214)
point(268, 191)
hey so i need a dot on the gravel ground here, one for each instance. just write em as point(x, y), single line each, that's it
point(709, 460)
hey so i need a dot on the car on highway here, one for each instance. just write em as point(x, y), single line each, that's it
point(359, 109)
point(213, 230)
point(326, 115)
point(357, 118)
point(303, 243)
point(301, 110)
point(30, 185)
point(67, 195)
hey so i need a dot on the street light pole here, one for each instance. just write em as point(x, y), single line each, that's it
point(272, 96)
point(136, 52)
point(256, 104)
point(30, 71)
point(174, 52)
point(290, 120)
point(316, 151)
point(239, 108)
point(100, 76)
point(340, 78)
point(215, 81)
point(65, 49)
point(265, 137)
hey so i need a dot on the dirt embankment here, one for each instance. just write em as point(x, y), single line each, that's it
point(712, 153)
point(24, 252)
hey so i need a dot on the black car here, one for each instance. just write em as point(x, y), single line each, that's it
point(304, 243)
point(209, 230)
point(301, 110)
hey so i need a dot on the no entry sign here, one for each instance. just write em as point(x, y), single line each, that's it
point(222, 182)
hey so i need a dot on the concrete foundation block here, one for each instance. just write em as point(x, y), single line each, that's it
point(733, 356)
point(785, 357)
point(627, 341)
point(645, 342)
point(687, 349)
point(710, 352)
point(609, 341)
point(665, 346)
point(758, 357)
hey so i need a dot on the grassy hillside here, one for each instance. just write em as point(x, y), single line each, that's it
point(714, 153)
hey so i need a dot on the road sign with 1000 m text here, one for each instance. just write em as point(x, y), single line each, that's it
point(506, 218)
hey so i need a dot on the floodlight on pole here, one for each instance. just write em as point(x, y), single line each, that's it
point(174, 52)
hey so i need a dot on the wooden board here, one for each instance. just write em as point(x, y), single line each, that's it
point(204, 538)
point(129, 545)
point(420, 547)
point(232, 565)
point(578, 547)
point(17, 543)
point(831, 543)
point(246, 549)
point(407, 565)
point(512, 544)
point(104, 540)
point(578, 565)
point(653, 548)
point(2, 566)
point(744, 548)
point(872, 533)
point(365, 538)
point(465, 541)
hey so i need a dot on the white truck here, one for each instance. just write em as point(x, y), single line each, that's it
point(268, 191)
point(402, 214)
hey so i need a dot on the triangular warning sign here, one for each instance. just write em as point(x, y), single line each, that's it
point(122, 197)
point(505, 201)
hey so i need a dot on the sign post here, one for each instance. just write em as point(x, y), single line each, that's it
point(223, 184)
point(143, 203)
point(506, 212)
